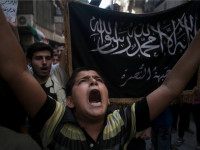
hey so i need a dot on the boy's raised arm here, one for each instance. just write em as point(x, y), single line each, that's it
point(13, 70)
point(176, 80)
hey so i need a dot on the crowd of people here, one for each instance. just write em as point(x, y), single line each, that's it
point(73, 112)
point(183, 114)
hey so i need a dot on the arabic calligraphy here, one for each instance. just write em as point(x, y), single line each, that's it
point(144, 73)
point(164, 38)
point(146, 40)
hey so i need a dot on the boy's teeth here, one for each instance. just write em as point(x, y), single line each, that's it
point(96, 104)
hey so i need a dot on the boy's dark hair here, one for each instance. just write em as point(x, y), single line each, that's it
point(71, 80)
point(38, 46)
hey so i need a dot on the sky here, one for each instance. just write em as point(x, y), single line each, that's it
point(104, 3)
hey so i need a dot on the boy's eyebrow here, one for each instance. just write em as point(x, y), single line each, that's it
point(87, 77)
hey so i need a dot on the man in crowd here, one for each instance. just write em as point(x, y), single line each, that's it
point(86, 123)
point(52, 80)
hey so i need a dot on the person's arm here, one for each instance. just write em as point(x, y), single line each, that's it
point(176, 80)
point(13, 70)
point(63, 65)
point(59, 71)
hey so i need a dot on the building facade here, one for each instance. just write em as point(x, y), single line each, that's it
point(40, 21)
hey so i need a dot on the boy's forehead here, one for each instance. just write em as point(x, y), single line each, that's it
point(82, 74)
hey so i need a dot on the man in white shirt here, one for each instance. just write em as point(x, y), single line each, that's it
point(52, 79)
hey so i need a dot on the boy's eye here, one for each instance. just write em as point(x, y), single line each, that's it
point(82, 81)
point(100, 80)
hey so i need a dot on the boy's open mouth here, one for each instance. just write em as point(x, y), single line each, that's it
point(94, 96)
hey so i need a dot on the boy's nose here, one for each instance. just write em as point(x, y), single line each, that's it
point(93, 81)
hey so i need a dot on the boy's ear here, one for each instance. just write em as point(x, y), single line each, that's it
point(70, 102)
point(108, 101)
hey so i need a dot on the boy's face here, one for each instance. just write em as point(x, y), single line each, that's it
point(41, 63)
point(89, 95)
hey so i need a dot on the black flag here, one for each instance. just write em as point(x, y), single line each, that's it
point(134, 51)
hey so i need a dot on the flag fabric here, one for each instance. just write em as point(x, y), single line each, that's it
point(133, 51)
point(37, 34)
